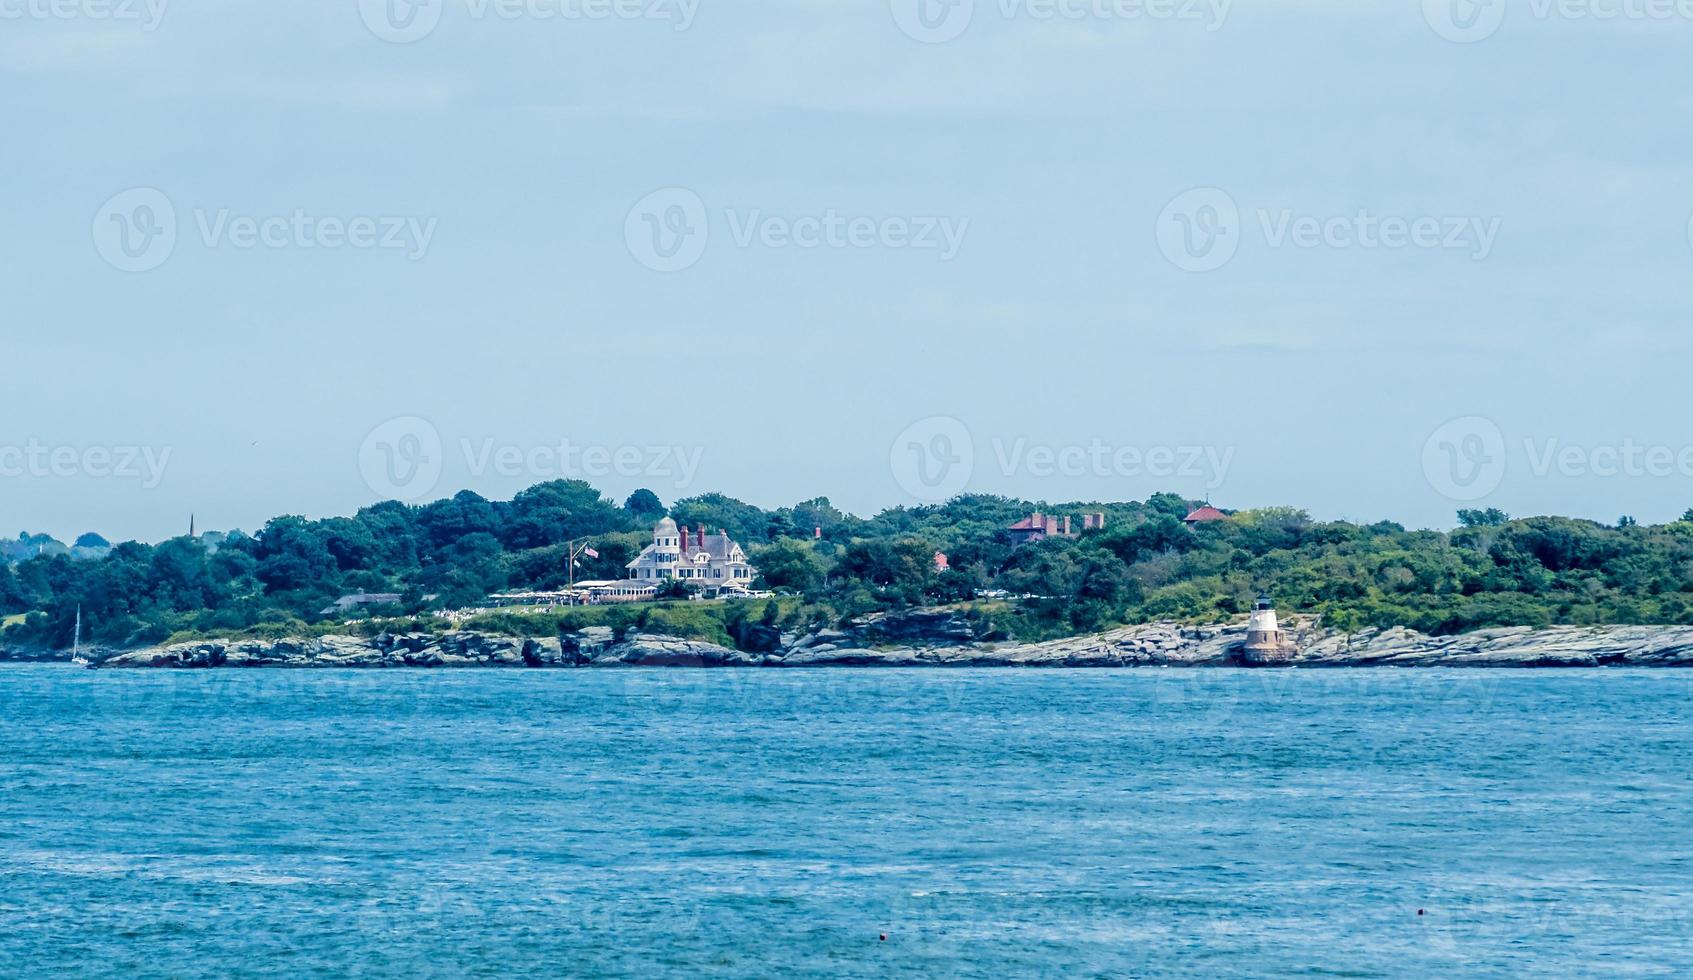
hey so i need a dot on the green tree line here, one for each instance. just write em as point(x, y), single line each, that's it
point(1145, 564)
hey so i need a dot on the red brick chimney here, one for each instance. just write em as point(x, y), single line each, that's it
point(684, 539)
point(817, 532)
point(701, 537)
point(1066, 525)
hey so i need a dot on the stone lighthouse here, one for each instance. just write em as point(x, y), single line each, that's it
point(1266, 643)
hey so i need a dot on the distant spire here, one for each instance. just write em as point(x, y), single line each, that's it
point(190, 525)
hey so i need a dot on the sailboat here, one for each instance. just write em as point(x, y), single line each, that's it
point(76, 644)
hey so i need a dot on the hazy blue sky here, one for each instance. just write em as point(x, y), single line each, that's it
point(1077, 336)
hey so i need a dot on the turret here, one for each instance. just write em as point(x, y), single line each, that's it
point(666, 539)
point(1266, 644)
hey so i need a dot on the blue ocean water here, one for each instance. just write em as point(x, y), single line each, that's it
point(990, 823)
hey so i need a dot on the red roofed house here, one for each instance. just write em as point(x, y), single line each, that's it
point(1205, 515)
point(1039, 527)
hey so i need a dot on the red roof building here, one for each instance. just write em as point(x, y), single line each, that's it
point(1039, 527)
point(1205, 515)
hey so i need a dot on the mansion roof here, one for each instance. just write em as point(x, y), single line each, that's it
point(715, 548)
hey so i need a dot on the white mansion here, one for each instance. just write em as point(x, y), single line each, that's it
point(713, 562)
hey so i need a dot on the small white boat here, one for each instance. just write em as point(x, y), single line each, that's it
point(76, 644)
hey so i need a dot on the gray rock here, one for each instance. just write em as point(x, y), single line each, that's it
point(546, 652)
point(821, 638)
point(646, 650)
point(1153, 644)
point(587, 645)
point(924, 627)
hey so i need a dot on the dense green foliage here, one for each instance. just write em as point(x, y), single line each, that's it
point(748, 624)
point(1145, 564)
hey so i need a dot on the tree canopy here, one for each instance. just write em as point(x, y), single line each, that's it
point(1144, 564)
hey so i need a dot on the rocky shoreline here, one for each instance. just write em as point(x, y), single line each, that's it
point(940, 641)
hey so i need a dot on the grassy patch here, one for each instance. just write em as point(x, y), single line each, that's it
point(715, 622)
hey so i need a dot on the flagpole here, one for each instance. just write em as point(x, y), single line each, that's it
point(574, 550)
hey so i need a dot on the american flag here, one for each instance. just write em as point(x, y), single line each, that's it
point(591, 553)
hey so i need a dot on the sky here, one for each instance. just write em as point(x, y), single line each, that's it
point(1378, 260)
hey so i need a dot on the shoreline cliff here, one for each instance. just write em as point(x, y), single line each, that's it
point(936, 641)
